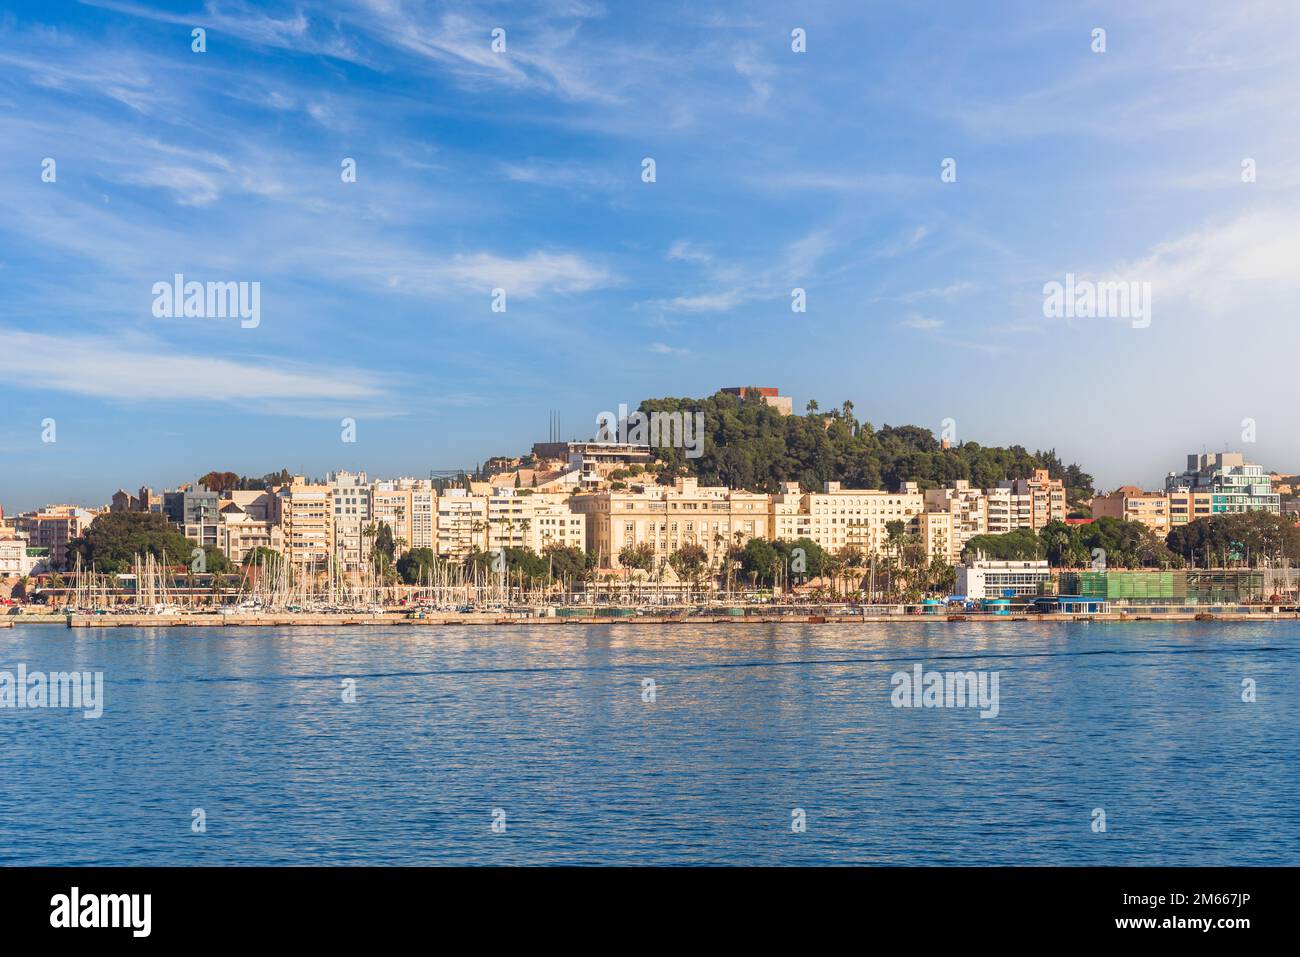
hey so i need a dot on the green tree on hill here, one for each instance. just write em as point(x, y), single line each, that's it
point(750, 445)
point(114, 539)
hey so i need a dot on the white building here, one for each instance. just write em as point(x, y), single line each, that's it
point(519, 518)
point(350, 494)
point(988, 579)
point(14, 560)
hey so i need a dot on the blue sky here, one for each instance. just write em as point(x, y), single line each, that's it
point(522, 170)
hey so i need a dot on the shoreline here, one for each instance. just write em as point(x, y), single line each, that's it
point(472, 619)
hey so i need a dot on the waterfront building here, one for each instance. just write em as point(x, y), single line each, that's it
point(1191, 586)
point(1003, 579)
point(350, 499)
point(667, 518)
point(967, 509)
point(861, 518)
point(788, 518)
point(462, 523)
point(304, 512)
point(246, 524)
point(937, 536)
point(518, 518)
point(196, 513)
point(1032, 502)
point(16, 558)
point(52, 527)
point(1232, 483)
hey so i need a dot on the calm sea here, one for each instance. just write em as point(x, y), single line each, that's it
point(549, 732)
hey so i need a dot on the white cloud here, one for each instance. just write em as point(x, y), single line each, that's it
point(685, 251)
point(139, 372)
point(533, 274)
point(708, 302)
point(663, 349)
point(1223, 266)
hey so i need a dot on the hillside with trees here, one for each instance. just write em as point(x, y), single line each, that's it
point(115, 539)
point(750, 445)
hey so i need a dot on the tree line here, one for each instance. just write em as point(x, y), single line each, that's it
point(751, 445)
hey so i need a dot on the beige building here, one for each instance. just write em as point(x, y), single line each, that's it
point(1129, 502)
point(1025, 503)
point(520, 519)
point(52, 527)
point(393, 504)
point(938, 537)
point(967, 509)
point(1187, 506)
point(667, 518)
point(247, 522)
point(860, 517)
point(462, 523)
point(304, 513)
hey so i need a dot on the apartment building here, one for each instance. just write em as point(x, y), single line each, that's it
point(590, 463)
point(393, 504)
point(1152, 509)
point(788, 517)
point(861, 517)
point(1232, 484)
point(462, 523)
point(52, 527)
point(14, 559)
point(196, 513)
point(1027, 503)
point(304, 512)
point(424, 514)
point(667, 518)
point(967, 509)
point(521, 519)
point(248, 522)
point(937, 536)
point(351, 501)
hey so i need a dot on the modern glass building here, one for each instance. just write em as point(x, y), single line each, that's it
point(1232, 483)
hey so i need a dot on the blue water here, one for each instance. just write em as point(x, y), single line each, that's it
point(1143, 720)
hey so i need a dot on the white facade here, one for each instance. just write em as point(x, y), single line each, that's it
point(14, 561)
point(986, 579)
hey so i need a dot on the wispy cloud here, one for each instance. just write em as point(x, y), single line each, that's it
point(147, 372)
point(527, 276)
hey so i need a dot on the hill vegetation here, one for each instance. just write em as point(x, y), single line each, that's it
point(750, 445)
